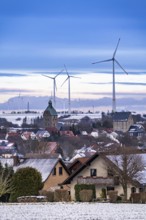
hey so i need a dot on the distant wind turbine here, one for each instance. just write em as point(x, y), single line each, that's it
point(114, 61)
point(54, 85)
point(69, 90)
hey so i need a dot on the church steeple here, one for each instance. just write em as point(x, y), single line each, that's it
point(50, 116)
point(50, 103)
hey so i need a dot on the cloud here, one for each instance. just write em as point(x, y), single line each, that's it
point(134, 72)
point(120, 83)
point(109, 93)
point(3, 90)
point(11, 74)
point(132, 83)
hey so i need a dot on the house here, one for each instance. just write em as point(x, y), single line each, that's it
point(7, 149)
point(26, 135)
point(42, 134)
point(50, 116)
point(67, 133)
point(122, 121)
point(136, 130)
point(96, 171)
point(12, 134)
point(53, 171)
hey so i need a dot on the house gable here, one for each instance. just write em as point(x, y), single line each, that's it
point(58, 174)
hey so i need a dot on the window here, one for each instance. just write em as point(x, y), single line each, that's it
point(60, 171)
point(109, 172)
point(141, 189)
point(93, 172)
point(110, 188)
point(133, 190)
point(54, 172)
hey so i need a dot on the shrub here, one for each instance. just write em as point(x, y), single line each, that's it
point(119, 199)
point(27, 181)
point(103, 193)
point(143, 197)
point(135, 197)
point(79, 187)
point(61, 195)
point(49, 195)
point(113, 195)
point(86, 195)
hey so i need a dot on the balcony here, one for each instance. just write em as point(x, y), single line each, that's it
point(95, 180)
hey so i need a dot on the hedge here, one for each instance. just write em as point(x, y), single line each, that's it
point(79, 187)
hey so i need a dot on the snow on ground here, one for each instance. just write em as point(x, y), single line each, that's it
point(72, 211)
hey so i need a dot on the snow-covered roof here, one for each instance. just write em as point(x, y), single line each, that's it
point(84, 133)
point(94, 134)
point(83, 152)
point(80, 116)
point(44, 166)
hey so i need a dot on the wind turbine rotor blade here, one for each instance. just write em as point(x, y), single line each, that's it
point(59, 73)
point(48, 76)
point(120, 66)
point(65, 81)
point(116, 48)
point(75, 77)
point(66, 69)
point(103, 61)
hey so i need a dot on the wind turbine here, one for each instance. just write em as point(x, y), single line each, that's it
point(54, 86)
point(113, 59)
point(69, 91)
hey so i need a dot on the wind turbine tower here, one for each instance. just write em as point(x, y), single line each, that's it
point(69, 90)
point(113, 59)
point(54, 86)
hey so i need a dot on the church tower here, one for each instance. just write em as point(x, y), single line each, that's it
point(50, 116)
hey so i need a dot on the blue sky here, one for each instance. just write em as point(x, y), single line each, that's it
point(43, 35)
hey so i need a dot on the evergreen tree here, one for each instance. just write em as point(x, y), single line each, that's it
point(27, 181)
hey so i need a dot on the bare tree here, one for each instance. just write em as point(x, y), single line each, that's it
point(127, 167)
point(6, 182)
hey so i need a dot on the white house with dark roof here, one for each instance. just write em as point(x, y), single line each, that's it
point(96, 171)
point(122, 121)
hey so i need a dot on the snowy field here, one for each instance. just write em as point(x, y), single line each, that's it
point(72, 211)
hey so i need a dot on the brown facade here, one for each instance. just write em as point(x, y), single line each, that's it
point(58, 175)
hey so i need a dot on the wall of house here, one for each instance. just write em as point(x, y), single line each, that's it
point(54, 180)
point(120, 190)
point(98, 164)
point(123, 125)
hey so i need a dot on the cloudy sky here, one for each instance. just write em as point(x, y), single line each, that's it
point(40, 36)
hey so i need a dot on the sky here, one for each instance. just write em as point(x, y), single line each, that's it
point(40, 36)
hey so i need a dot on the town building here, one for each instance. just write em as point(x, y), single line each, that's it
point(50, 116)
